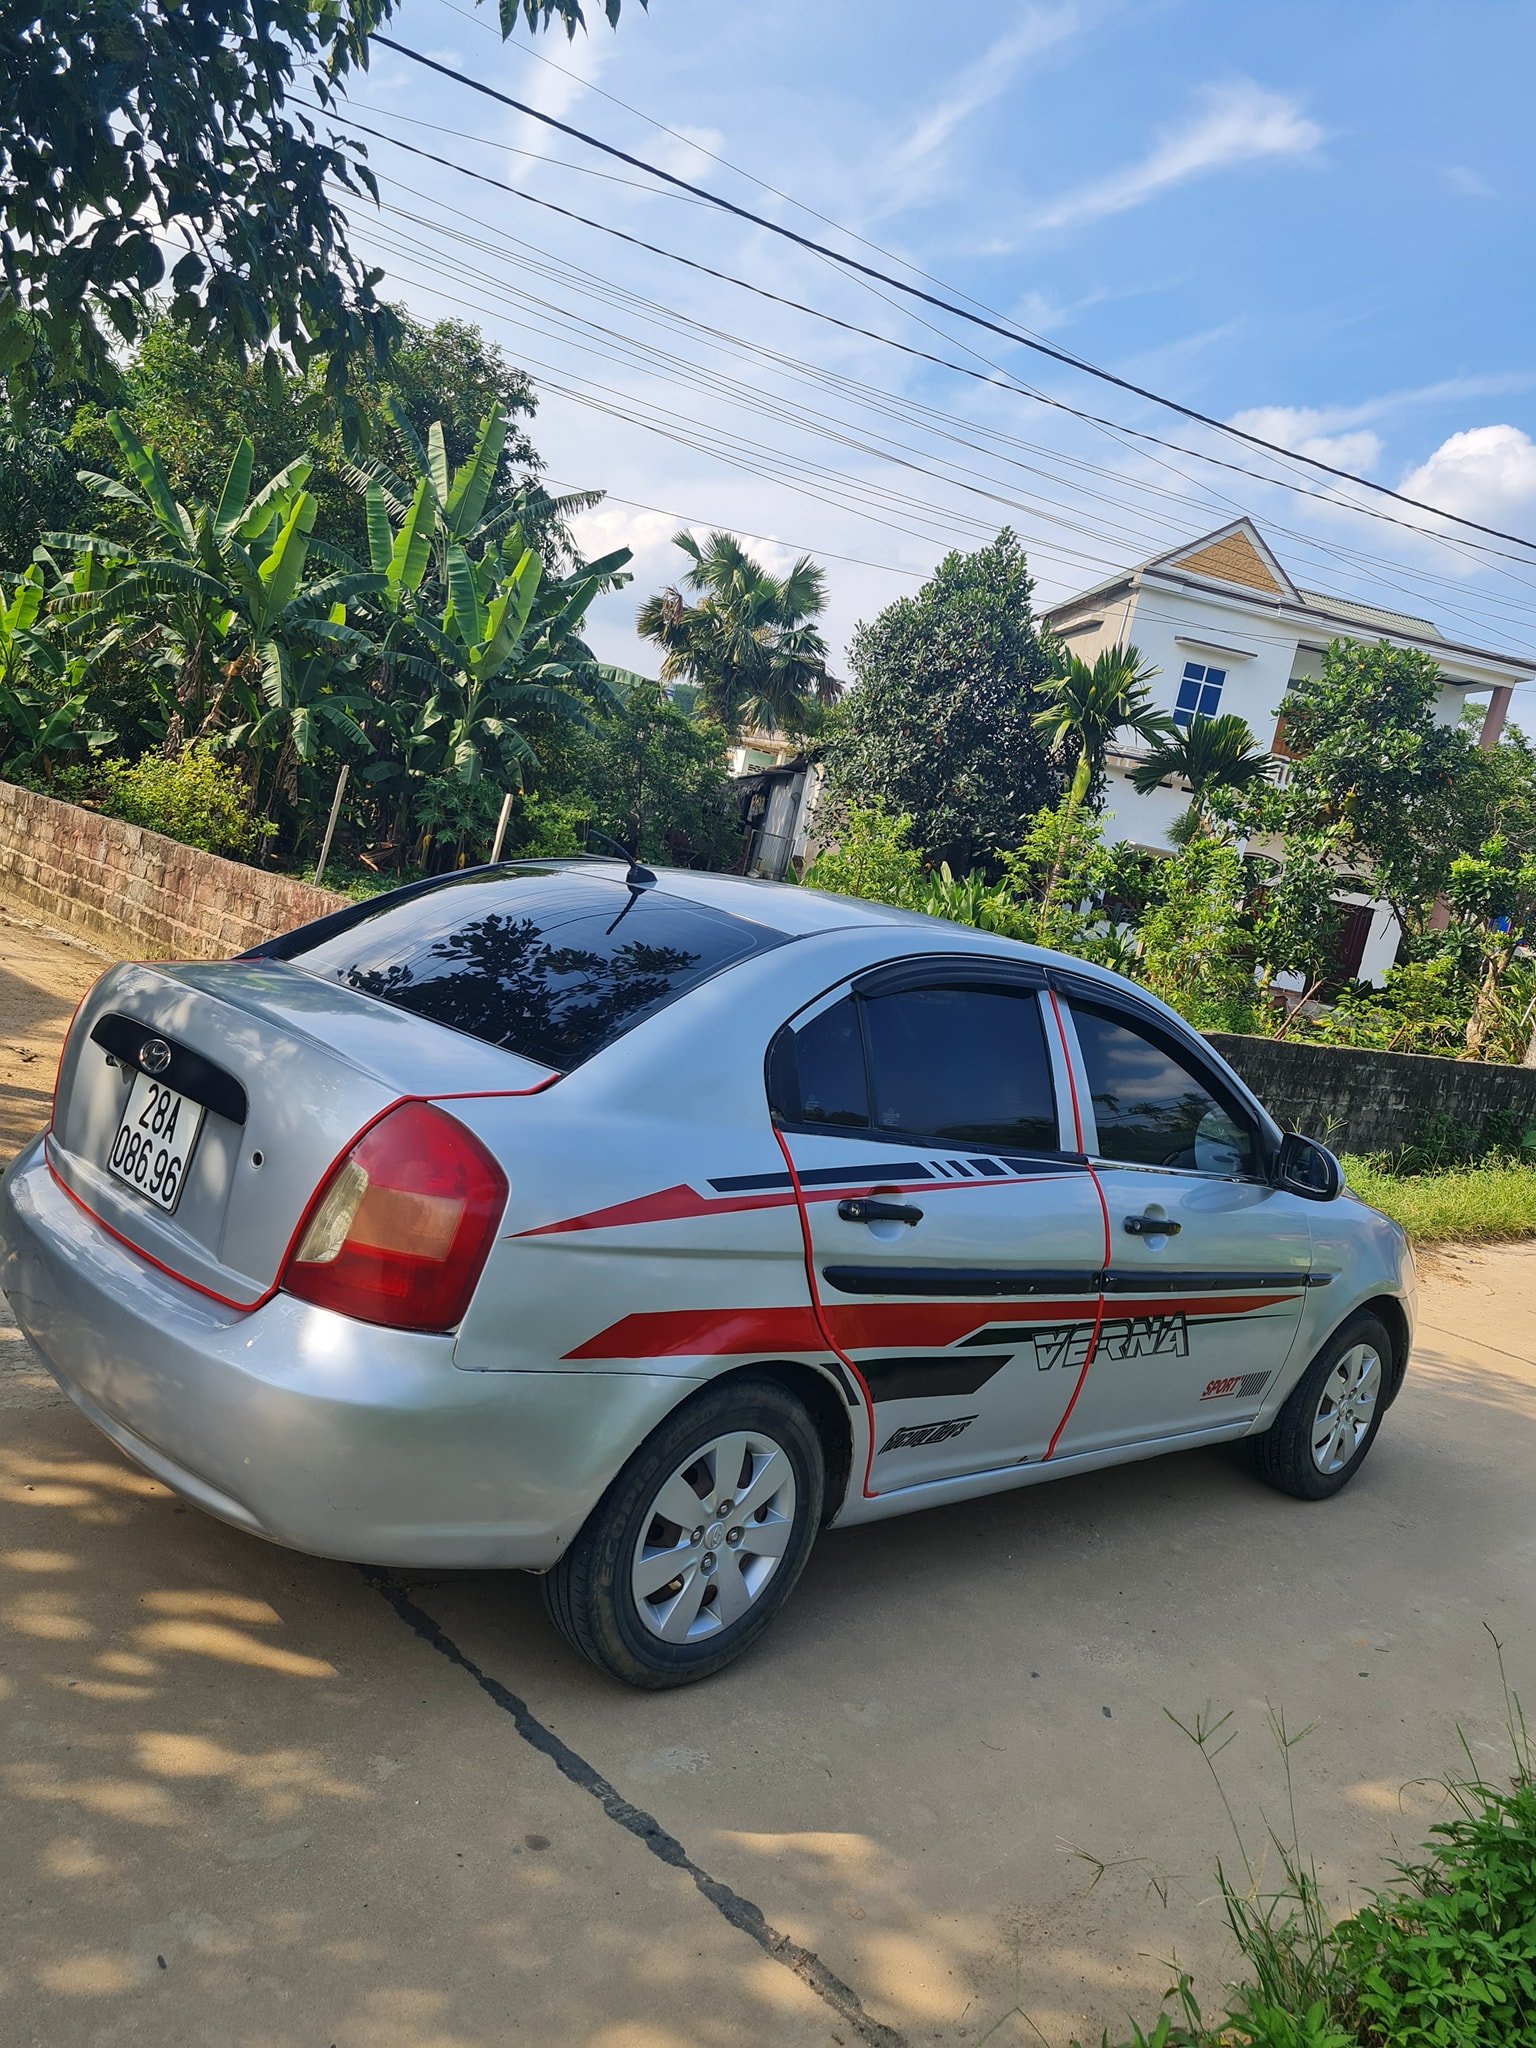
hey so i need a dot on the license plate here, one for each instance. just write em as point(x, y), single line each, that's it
point(154, 1140)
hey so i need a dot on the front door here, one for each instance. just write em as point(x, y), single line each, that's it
point(954, 1235)
point(1208, 1264)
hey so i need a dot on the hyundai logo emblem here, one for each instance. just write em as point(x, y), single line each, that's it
point(154, 1055)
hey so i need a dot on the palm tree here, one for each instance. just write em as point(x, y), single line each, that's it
point(1090, 705)
point(1210, 754)
point(749, 641)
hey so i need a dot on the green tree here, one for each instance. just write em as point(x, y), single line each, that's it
point(1295, 919)
point(188, 400)
point(1195, 952)
point(1060, 875)
point(657, 779)
point(45, 712)
point(939, 727)
point(122, 121)
point(1376, 769)
point(1214, 756)
point(214, 595)
point(747, 641)
point(1494, 889)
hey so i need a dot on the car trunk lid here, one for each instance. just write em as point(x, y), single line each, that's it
point(286, 1068)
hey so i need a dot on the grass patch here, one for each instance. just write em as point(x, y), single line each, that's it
point(1470, 1204)
point(1443, 1957)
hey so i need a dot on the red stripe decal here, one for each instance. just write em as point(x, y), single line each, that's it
point(667, 1206)
point(1098, 1320)
point(706, 1333)
point(685, 1204)
point(1077, 1120)
point(815, 1291)
point(918, 1325)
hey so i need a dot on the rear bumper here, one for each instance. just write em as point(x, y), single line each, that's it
point(327, 1435)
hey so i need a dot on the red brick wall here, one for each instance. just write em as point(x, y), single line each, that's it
point(136, 891)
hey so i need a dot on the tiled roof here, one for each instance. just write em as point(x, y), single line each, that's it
point(1372, 614)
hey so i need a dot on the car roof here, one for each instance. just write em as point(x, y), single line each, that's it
point(785, 907)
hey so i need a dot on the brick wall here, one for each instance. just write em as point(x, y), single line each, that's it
point(1359, 1101)
point(137, 892)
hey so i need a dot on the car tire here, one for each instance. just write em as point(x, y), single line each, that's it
point(1321, 1437)
point(611, 1595)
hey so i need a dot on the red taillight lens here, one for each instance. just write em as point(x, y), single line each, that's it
point(399, 1232)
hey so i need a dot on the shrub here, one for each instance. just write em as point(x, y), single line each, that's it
point(872, 858)
point(195, 797)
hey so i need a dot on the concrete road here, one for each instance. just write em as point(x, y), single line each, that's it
point(259, 1801)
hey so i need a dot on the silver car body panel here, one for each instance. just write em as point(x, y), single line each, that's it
point(660, 1231)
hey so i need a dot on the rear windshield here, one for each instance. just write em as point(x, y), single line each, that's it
point(550, 963)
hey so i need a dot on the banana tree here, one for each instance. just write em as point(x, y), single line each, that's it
point(506, 644)
point(237, 637)
point(45, 702)
point(472, 504)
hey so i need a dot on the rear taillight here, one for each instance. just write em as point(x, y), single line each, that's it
point(58, 1072)
point(400, 1230)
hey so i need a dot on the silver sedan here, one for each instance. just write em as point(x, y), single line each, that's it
point(630, 1228)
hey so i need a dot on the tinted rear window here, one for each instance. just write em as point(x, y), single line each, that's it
point(553, 964)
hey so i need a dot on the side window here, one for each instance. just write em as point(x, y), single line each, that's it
point(1199, 693)
point(828, 1085)
point(1151, 1108)
point(966, 1066)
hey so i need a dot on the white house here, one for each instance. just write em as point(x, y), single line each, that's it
point(1228, 630)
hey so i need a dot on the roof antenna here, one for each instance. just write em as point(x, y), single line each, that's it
point(638, 877)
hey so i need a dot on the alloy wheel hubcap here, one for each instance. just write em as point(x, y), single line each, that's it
point(1346, 1408)
point(715, 1535)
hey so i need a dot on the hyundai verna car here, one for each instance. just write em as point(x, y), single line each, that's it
point(629, 1229)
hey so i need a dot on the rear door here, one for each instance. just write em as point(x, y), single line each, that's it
point(954, 1233)
point(1208, 1264)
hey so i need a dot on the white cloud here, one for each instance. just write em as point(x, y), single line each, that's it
point(555, 91)
point(1485, 473)
point(1471, 184)
point(688, 152)
point(913, 162)
point(1302, 428)
point(1236, 123)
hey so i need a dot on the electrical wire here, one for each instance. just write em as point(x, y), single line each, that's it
point(665, 365)
point(925, 355)
point(1017, 336)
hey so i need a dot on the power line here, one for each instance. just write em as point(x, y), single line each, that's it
point(1111, 430)
point(692, 142)
point(778, 467)
point(1016, 336)
point(774, 540)
point(667, 364)
point(998, 382)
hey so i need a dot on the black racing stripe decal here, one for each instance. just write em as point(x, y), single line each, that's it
point(1019, 1333)
point(925, 1378)
point(871, 1172)
point(841, 1374)
point(956, 1283)
point(879, 1169)
point(1164, 1280)
point(738, 1912)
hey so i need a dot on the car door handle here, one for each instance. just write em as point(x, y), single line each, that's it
point(870, 1209)
point(1152, 1226)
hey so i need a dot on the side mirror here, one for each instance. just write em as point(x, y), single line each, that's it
point(1308, 1169)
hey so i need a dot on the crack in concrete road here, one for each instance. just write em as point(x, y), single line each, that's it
point(739, 1912)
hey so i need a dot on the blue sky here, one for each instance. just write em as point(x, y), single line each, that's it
point(1314, 221)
